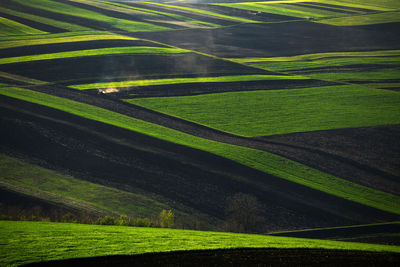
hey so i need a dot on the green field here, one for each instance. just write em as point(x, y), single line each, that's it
point(55, 187)
point(95, 52)
point(10, 27)
point(51, 241)
point(260, 160)
point(122, 24)
point(61, 38)
point(367, 19)
point(261, 113)
point(236, 78)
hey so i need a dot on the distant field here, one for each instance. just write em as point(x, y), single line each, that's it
point(10, 27)
point(51, 241)
point(52, 186)
point(47, 21)
point(262, 113)
point(257, 159)
point(122, 24)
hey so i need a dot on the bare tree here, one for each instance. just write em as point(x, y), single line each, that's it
point(243, 214)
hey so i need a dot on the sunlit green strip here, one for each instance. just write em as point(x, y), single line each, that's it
point(260, 160)
point(58, 40)
point(236, 78)
point(95, 52)
point(12, 27)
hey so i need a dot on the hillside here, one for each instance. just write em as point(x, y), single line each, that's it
point(111, 108)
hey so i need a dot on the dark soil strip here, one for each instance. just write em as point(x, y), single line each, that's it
point(241, 13)
point(188, 14)
point(137, 66)
point(282, 39)
point(33, 24)
point(71, 46)
point(172, 173)
point(241, 257)
point(345, 232)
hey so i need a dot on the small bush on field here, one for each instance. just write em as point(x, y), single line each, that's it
point(143, 222)
point(107, 220)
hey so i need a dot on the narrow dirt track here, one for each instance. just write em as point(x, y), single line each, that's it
point(319, 159)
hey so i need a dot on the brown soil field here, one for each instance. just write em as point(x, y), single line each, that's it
point(289, 39)
point(168, 172)
point(241, 257)
point(121, 67)
point(71, 46)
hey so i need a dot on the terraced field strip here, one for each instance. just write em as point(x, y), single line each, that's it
point(95, 52)
point(200, 11)
point(61, 8)
point(259, 160)
point(10, 27)
point(51, 241)
point(166, 14)
point(235, 78)
point(19, 78)
point(43, 20)
point(391, 58)
point(49, 185)
point(62, 38)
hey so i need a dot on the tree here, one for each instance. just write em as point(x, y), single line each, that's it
point(243, 213)
point(167, 219)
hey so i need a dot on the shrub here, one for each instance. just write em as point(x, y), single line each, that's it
point(142, 222)
point(167, 219)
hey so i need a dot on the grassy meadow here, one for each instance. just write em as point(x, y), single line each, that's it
point(52, 241)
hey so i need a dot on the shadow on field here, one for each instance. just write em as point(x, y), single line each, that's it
point(240, 257)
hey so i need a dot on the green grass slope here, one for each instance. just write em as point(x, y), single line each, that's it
point(52, 241)
point(25, 178)
point(260, 160)
point(10, 27)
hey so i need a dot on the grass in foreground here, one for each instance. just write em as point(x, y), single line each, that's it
point(259, 160)
point(25, 242)
point(261, 113)
point(25, 178)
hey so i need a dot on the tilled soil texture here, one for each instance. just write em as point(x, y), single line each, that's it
point(368, 155)
point(380, 233)
point(241, 257)
point(168, 172)
point(125, 67)
point(282, 39)
point(71, 46)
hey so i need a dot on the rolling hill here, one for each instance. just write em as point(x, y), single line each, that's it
point(129, 108)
